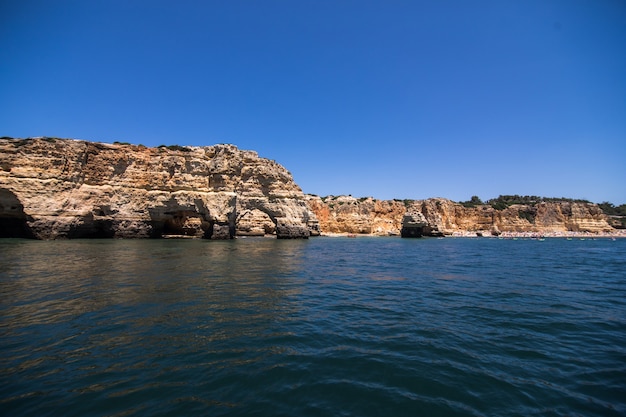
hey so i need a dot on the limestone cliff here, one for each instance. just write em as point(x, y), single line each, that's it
point(346, 214)
point(543, 217)
point(55, 188)
point(384, 217)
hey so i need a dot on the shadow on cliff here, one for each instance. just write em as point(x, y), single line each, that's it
point(182, 222)
point(91, 228)
point(13, 220)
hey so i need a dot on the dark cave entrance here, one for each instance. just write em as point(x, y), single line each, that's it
point(13, 220)
point(184, 223)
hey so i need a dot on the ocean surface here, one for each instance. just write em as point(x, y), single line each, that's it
point(319, 327)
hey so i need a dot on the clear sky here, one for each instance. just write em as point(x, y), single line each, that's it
point(390, 99)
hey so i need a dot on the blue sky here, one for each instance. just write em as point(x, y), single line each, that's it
point(390, 99)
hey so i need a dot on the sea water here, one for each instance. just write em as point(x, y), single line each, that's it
point(319, 327)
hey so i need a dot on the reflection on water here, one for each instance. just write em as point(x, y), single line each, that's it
point(95, 306)
point(315, 327)
point(70, 278)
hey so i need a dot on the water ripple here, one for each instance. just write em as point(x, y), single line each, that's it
point(352, 327)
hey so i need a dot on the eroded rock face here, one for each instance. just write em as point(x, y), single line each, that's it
point(413, 224)
point(58, 188)
point(544, 217)
point(369, 216)
point(346, 214)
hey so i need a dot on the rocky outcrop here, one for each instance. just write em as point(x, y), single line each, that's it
point(413, 224)
point(59, 188)
point(441, 216)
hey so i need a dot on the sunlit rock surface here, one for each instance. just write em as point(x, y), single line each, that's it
point(60, 188)
point(346, 214)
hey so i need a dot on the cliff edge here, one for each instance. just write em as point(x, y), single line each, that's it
point(62, 188)
point(346, 214)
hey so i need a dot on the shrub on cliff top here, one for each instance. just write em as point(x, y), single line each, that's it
point(612, 210)
point(472, 202)
point(504, 201)
point(174, 148)
point(178, 148)
point(407, 202)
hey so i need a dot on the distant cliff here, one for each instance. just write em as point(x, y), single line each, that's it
point(346, 214)
point(59, 188)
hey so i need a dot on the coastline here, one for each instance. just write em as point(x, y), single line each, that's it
point(621, 233)
point(537, 235)
point(128, 191)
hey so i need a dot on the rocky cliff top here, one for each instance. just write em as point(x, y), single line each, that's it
point(172, 168)
point(53, 188)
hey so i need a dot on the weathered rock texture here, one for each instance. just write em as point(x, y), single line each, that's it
point(413, 224)
point(369, 216)
point(346, 214)
point(546, 217)
point(59, 188)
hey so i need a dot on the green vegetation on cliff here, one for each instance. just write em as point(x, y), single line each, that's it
point(175, 148)
point(612, 210)
point(472, 202)
point(617, 213)
point(504, 201)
